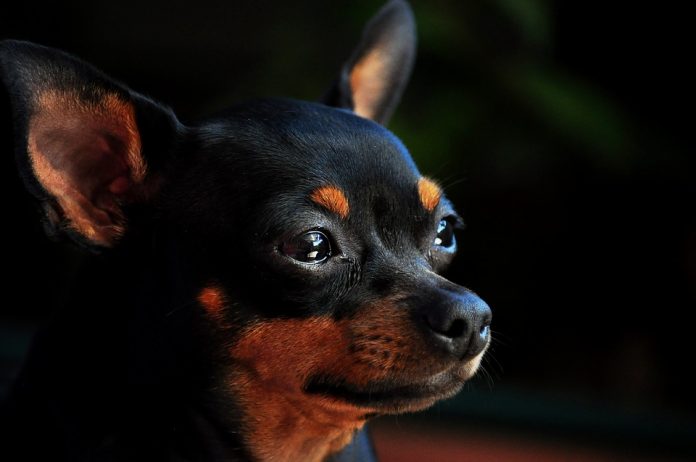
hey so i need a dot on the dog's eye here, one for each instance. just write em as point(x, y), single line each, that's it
point(312, 247)
point(445, 235)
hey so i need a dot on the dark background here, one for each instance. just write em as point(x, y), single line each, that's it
point(562, 131)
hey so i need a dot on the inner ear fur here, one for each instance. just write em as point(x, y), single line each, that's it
point(79, 139)
point(372, 81)
point(87, 157)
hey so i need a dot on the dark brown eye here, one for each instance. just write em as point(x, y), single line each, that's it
point(445, 236)
point(312, 247)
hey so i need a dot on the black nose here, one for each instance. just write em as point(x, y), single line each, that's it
point(460, 323)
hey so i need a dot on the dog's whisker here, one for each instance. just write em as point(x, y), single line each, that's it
point(182, 306)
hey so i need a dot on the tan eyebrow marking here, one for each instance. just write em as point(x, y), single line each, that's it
point(332, 199)
point(429, 193)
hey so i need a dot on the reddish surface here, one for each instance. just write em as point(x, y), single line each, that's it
point(407, 443)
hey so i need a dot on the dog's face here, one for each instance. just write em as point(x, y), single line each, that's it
point(307, 239)
point(327, 248)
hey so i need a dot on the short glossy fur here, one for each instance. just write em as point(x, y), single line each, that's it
point(264, 281)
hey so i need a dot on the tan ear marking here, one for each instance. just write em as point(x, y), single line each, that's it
point(332, 199)
point(429, 193)
point(368, 83)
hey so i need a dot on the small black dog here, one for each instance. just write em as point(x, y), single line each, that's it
point(264, 281)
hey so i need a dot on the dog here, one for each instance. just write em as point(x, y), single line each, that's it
point(261, 283)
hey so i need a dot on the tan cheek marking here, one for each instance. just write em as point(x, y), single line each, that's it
point(379, 342)
point(213, 301)
point(285, 352)
point(276, 358)
point(429, 193)
point(365, 348)
point(387, 345)
point(332, 199)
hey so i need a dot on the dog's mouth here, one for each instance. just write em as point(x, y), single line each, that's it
point(390, 397)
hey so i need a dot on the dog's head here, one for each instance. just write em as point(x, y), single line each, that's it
point(311, 244)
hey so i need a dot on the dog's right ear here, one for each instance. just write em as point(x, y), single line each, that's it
point(86, 146)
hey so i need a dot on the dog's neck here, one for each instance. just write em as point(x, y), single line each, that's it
point(280, 425)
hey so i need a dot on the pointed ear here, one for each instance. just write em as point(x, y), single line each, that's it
point(81, 140)
point(373, 79)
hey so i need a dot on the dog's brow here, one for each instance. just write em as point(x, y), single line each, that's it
point(331, 198)
point(429, 193)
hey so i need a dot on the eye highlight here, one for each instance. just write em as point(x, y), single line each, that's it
point(445, 236)
point(312, 247)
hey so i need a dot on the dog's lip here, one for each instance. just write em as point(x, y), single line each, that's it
point(386, 397)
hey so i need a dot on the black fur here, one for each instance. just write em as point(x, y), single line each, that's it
point(125, 371)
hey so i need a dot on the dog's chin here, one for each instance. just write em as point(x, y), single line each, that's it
point(395, 396)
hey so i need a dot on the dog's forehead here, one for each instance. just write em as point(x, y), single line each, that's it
point(310, 142)
point(298, 160)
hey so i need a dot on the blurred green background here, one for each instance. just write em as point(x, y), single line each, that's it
point(562, 130)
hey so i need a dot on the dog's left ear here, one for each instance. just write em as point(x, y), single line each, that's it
point(373, 79)
point(86, 146)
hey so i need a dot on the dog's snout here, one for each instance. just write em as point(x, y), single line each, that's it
point(460, 323)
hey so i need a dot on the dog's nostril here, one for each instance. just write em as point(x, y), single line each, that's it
point(451, 329)
point(456, 329)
